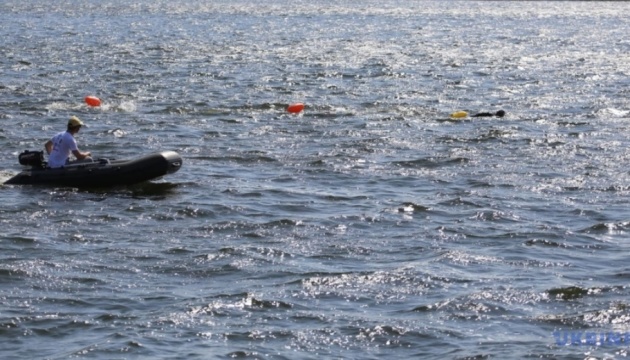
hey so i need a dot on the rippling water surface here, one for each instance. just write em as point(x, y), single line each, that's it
point(368, 226)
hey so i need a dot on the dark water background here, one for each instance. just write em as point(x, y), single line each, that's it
point(369, 226)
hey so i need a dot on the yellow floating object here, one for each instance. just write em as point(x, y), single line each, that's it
point(459, 114)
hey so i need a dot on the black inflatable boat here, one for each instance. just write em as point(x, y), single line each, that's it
point(99, 173)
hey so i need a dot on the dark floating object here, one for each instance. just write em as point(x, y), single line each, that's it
point(463, 114)
point(499, 113)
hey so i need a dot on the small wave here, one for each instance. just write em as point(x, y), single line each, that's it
point(20, 240)
point(224, 305)
point(11, 273)
point(409, 207)
point(334, 198)
point(616, 314)
point(431, 162)
point(178, 251)
point(612, 112)
point(370, 286)
point(568, 293)
point(545, 243)
point(151, 188)
point(459, 201)
point(246, 159)
point(607, 228)
point(468, 308)
point(492, 135)
point(87, 280)
point(237, 193)
point(282, 223)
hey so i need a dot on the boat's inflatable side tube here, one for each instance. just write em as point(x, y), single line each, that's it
point(173, 161)
point(104, 173)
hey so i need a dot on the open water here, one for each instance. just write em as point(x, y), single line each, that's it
point(368, 226)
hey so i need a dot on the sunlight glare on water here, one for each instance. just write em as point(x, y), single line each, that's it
point(369, 225)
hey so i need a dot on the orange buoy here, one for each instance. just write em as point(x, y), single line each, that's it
point(295, 108)
point(92, 101)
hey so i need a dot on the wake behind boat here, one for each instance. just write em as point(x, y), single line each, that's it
point(100, 173)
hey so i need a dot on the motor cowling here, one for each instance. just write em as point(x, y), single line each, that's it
point(32, 158)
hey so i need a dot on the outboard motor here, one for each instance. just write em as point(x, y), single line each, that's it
point(32, 158)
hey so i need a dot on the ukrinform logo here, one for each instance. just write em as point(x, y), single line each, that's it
point(591, 338)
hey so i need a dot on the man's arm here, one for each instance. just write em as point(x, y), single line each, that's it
point(81, 155)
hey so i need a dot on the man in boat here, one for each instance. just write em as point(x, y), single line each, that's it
point(63, 144)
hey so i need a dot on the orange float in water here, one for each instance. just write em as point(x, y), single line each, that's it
point(92, 101)
point(295, 108)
